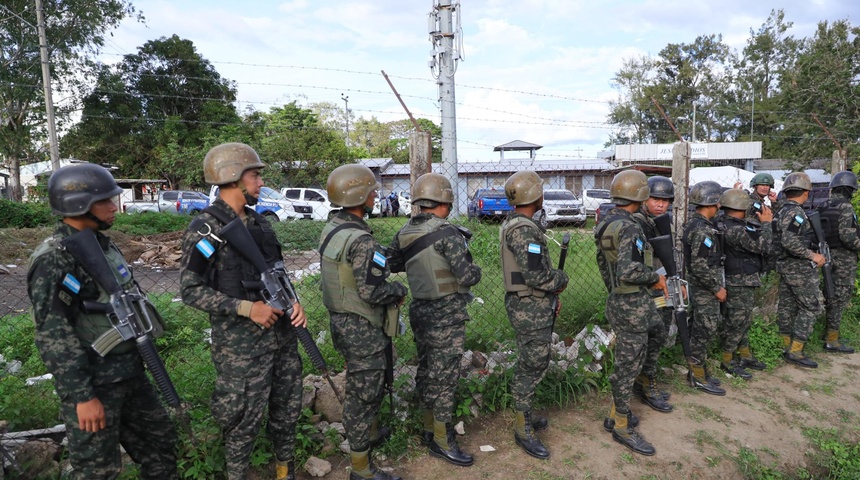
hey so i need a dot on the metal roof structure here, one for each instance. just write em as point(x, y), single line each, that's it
point(517, 145)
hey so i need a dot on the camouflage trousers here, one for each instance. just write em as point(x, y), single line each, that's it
point(658, 331)
point(532, 319)
point(844, 274)
point(705, 322)
point(736, 326)
point(363, 347)
point(633, 317)
point(440, 349)
point(244, 389)
point(800, 300)
point(136, 419)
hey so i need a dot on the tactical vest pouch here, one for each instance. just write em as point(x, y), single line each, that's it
point(391, 320)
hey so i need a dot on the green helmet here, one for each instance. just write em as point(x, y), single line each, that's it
point(735, 199)
point(629, 186)
point(844, 179)
point(797, 181)
point(762, 179)
point(432, 189)
point(705, 194)
point(227, 162)
point(350, 185)
point(523, 188)
point(661, 187)
point(73, 189)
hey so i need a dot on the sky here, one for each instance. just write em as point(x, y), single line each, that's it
point(533, 70)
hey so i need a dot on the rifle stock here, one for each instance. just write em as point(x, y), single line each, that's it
point(823, 249)
point(664, 250)
point(664, 224)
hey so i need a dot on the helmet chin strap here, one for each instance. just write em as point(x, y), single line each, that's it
point(250, 200)
point(100, 224)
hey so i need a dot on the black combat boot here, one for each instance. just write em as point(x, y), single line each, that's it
point(696, 379)
point(651, 395)
point(747, 360)
point(382, 435)
point(363, 468)
point(735, 369)
point(426, 438)
point(449, 450)
point(625, 435)
point(632, 422)
point(796, 356)
point(637, 390)
point(539, 423)
point(833, 344)
point(712, 380)
point(525, 437)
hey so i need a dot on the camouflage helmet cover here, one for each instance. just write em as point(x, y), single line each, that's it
point(630, 185)
point(797, 181)
point(523, 188)
point(735, 199)
point(227, 162)
point(350, 185)
point(705, 194)
point(73, 189)
point(431, 189)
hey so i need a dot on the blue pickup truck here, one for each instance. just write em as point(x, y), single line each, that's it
point(170, 201)
point(488, 203)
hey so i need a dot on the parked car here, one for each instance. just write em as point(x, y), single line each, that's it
point(488, 203)
point(274, 206)
point(562, 206)
point(170, 201)
point(321, 207)
point(592, 198)
point(602, 210)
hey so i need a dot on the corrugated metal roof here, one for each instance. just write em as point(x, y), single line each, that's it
point(517, 145)
point(374, 162)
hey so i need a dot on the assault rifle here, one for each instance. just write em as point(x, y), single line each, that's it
point(664, 224)
point(565, 242)
point(275, 287)
point(128, 310)
point(664, 251)
point(823, 249)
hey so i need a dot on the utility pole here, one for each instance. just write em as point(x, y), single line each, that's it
point(694, 122)
point(345, 99)
point(443, 64)
point(46, 82)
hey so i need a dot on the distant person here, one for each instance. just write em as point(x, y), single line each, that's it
point(395, 204)
point(105, 401)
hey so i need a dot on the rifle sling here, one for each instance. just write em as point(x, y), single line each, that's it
point(419, 245)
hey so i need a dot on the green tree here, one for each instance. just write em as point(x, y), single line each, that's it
point(75, 31)
point(397, 147)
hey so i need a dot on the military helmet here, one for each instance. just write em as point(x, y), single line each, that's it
point(629, 185)
point(735, 199)
point(762, 179)
point(844, 179)
point(227, 162)
point(661, 187)
point(73, 189)
point(797, 181)
point(705, 194)
point(523, 188)
point(431, 189)
point(350, 185)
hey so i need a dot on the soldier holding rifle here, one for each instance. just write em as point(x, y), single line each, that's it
point(254, 347)
point(105, 400)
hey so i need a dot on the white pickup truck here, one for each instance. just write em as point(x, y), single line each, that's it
point(275, 206)
point(170, 201)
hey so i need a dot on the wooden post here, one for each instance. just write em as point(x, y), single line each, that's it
point(419, 159)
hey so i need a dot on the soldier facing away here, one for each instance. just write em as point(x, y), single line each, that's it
point(799, 298)
point(702, 257)
point(624, 259)
point(746, 247)
point(254, 347)
point(356, 294)
point(843, 238)
point(105, 401)
point(439, 267)
point(532, 301)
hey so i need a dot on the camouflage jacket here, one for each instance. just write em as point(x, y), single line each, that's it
point(630, 266)
point(795, 233)
point(537, 269)
point(56, 306)
point(757, 202)
point(848, 230)
point(746, 247)
point(702, 253)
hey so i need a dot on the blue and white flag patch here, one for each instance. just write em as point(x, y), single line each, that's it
point(639, 244)
point(757, 206)
point(122, 271)
point(534, 248)
point(751, 229)
point(798, 219)
point(379, 259)
point(708, 242)
point(72, 283)
point(205, 248)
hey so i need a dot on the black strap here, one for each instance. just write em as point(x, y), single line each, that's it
point(342, 226)
point(419, 245)
point(608, 221)
point(219, 214)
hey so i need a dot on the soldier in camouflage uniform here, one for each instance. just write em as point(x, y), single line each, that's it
point(843, 238)
point(762, 194)
point(624, 259)
point(439, 267)
point(661, 194)
point(799, 298)
point(702, 257)
point(105, 401)
point(532, 289)
point(254, 347)
point(746, 247)
point(356, 294)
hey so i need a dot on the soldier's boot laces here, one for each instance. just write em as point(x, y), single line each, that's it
point(525, 437)
point(747, 359)
point(833, 343)
point(796, 356)
point(651, 395)
point(285, 470)
point(539, 423)
point(448, 449)
point(637, 390)
point(627, 436)
point(696, 379)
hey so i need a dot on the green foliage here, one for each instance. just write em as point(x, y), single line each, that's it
point(750, 466)
point(837, 455)
point(25, 214)
point(150, 223)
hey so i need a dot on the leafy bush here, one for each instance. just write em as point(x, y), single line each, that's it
point(25, 214)
point(150, 223)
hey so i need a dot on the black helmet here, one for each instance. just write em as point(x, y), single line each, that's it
point(844, 179)
point(73, 189)
point(705, 194)
point(661, 187)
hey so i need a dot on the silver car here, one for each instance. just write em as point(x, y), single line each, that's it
point(562, 206)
